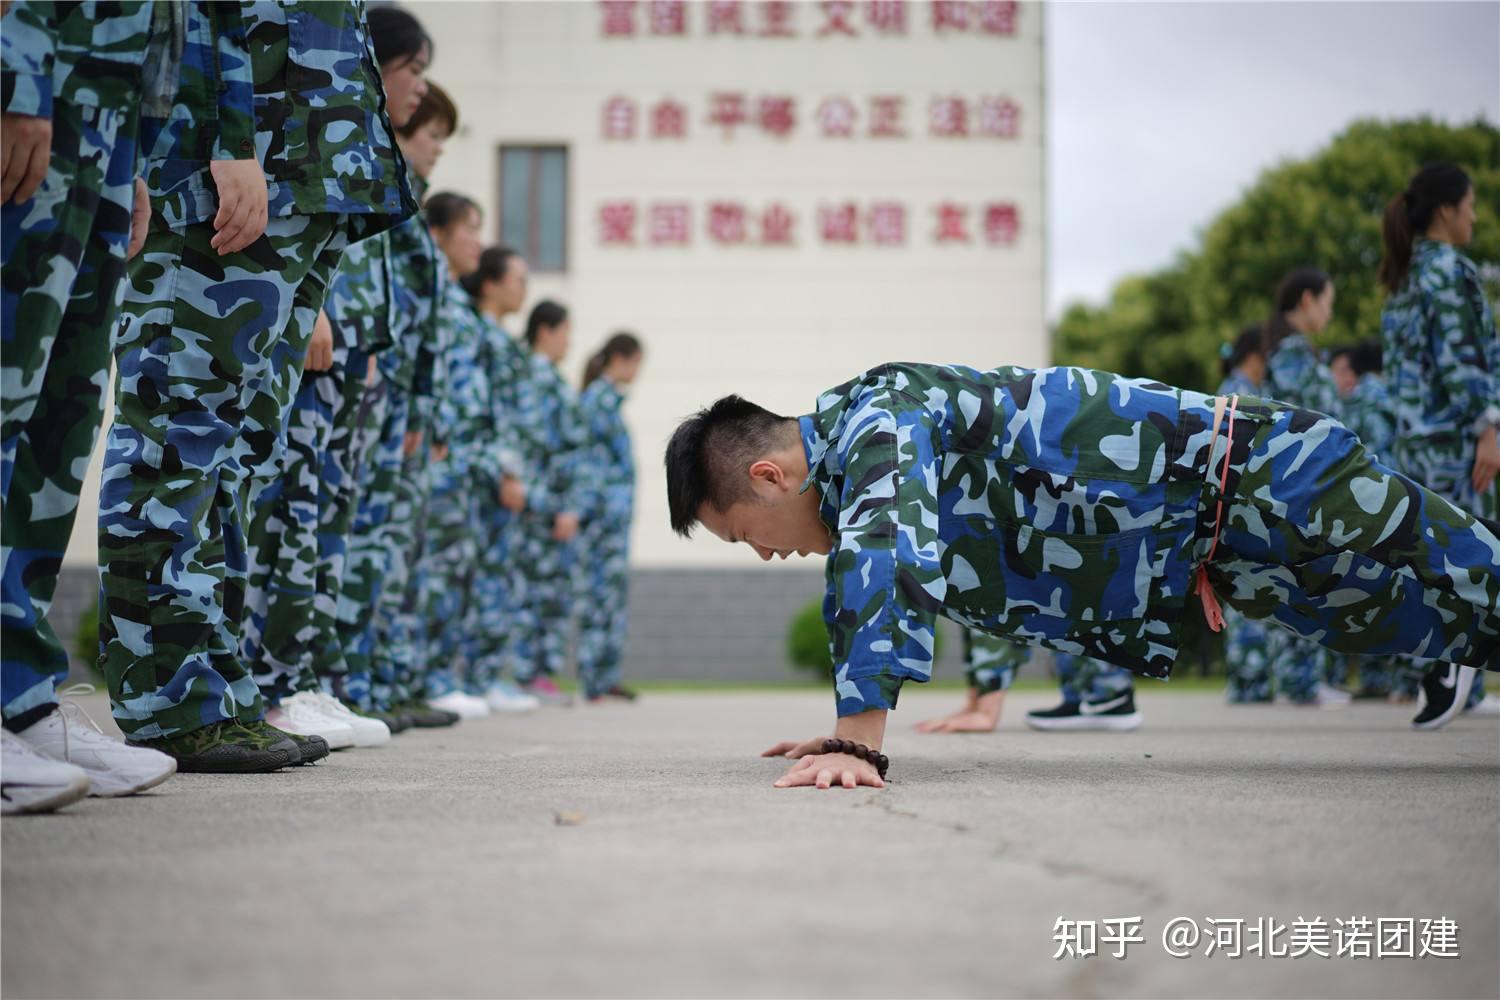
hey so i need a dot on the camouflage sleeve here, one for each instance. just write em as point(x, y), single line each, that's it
point(885, 582)
point(1466, 350)
point(28, 44)
point(236, 84)
point(1299, 378)
point(594, 457)
point(507, 395)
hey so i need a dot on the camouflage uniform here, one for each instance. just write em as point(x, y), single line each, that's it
point(1442, 363)
point(1070, 508)
point(465, 422)
point(551, 437)
point(80, 66)
point(491, 612)
point(1294, 374)
point(1247, 661)
point(210, 359)
point(607, 468)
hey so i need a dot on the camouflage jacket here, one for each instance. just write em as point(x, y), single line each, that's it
point(295, 85)
point(88, 53)
point(550, 435)
point(513, 392)
point(607, 466)
point(1369, 414)
point(1295, 374)
point(1442, 353)
point(359, 303)
point(1052, 506)
point(463, 418)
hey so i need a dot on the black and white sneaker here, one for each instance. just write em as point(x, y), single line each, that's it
point(1117, 714)
point(1446, 689)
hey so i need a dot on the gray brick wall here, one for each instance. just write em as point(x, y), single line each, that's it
point(685, 624)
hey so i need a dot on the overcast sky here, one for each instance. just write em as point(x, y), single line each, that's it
point(1162, 113)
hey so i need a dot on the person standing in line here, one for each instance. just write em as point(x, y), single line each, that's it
point(210, 359)
point(1247, 662)
point(607, 470)
point(1296, 375)
point(301, 520)
point(464, 459)
point(550, 434)
point(73, 82)
point(417, 281)
point(1442, 356)
point(498, 289)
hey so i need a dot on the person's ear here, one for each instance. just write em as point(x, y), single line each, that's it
point(767, 472)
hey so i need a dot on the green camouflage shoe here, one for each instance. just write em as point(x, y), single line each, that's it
point(312, 748)
point(229, 748)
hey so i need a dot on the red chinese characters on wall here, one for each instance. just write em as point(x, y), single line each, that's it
point(669, 120)
point(619, 118)
point(836, 117)
point(997, 17)
point(948, 117)
point(617, 223)
point(726, 17)
point(839, 223)
point(887, 223)
point(727, 110)
point(888, 17)
point(886, 111)
point(776, 18)
point(952, 223)
point(1002, 223)
point(776, 225)
point(838, 18)
point(726, 222)
point(618, 18)
point(999, 117)
point(777, 115)
point(671, 223)
point(668, 17)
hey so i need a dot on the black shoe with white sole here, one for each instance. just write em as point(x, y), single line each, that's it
point(1117, 714)
point(1446, 687)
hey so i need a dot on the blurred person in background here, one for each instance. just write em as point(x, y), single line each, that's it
point(607, 472)
point(1303, 306)
point(1442, 356)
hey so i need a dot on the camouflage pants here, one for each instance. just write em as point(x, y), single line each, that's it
point(492, 610)
point(1299, 665)
point(347, 452)
point(447, 575)
point(207, 367)
point(64, 258)
point(1246, 658)
point(279, 631)
point(381, 547)
point(604, 584)
point(541, 580)
point(401, 636)
point(1341, 549)
point(992, 664)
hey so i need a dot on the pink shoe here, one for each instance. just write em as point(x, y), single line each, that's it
point(545, 690)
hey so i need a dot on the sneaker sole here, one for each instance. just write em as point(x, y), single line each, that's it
point(1461, 689)
point(1077, 723)
point(149, 783)
point(47, 802)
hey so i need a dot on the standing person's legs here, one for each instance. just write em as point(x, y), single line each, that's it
point(447, 568)
point(1343, 550)
point(404, 648)
point(196, 365)
point(1246, 658)
point(602, 619)
point(1299, 666)
point(490, 612)
point(64, 259)
point(364, 559)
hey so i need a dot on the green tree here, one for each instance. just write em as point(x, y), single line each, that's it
point(1324, 211)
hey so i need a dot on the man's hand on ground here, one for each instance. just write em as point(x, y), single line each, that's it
point(24, 155)
point(825, 770)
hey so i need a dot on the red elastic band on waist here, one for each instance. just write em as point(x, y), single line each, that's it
point(1211, 610)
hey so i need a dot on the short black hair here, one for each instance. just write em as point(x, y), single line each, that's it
point(711, 451)
point(396, 35)
point(1366, 357)
point(545, 315)
point(493, 263)
point(445, 208)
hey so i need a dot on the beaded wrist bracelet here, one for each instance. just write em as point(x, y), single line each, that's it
point(875, 757)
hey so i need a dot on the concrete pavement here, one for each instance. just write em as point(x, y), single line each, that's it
point(437, 866)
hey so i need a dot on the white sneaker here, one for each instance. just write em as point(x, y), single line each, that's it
point(1332, 697)
point(300, 714)
point(466, 705)
point(113, 766)
point(367, 732)
point(31, 783)
point(503, 697)
point(1488, 705)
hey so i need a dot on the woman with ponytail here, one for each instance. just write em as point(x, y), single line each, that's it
point(544, 544)
point(1295, 374)
point(1440, 346)
point(608, 469)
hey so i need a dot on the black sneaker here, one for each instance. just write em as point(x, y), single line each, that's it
point(1117, 714)
point(396, 722)
point(229, 748)
point(619, 692)
point(1446, 687)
